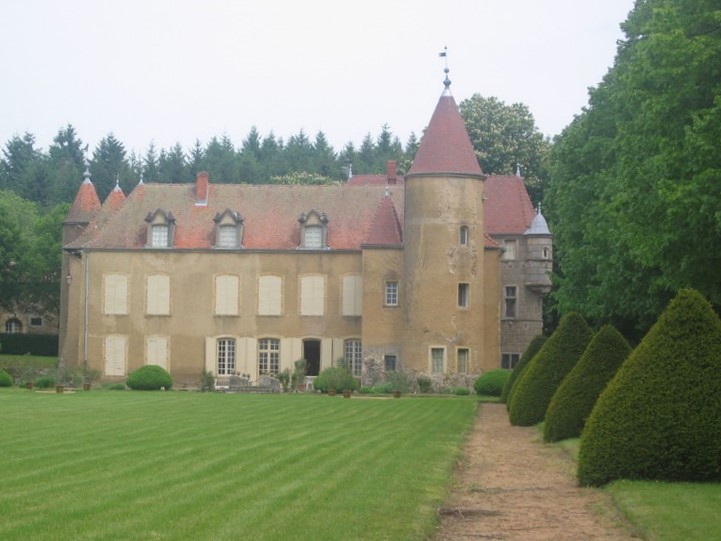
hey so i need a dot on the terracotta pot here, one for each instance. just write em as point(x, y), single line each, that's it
point(347, 393)
point(331, 392)
point(396, 394)
point(59, 389)
point(29, 385)
point(86, 386)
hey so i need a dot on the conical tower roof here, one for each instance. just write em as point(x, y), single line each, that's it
point(446, 147)
point(86, 203)
point(115, 198)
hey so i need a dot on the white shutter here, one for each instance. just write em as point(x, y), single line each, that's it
point(115, 294)
point(312, 296)
point(352, 303)
point(158, 295)
point(115, 355)
point(270, 295)
point(226, 295)
point(157, 351)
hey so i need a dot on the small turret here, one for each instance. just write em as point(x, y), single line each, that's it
point(539, 244)
point(85, 206)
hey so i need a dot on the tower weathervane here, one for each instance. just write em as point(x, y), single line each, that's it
point(444, 55)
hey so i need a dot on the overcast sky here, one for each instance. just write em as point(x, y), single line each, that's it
point(176, 71)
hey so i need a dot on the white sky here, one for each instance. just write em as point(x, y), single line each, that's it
point(181, 70)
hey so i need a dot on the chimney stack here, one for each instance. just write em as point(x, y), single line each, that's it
point(391, 167)
point(201, 189)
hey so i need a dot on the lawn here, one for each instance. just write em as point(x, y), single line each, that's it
point(139, 465)
point(665, 511)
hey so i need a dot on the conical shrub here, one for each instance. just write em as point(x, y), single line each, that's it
point(533, 348)
point(573, 401)
point(660, 416)
point(547, 369)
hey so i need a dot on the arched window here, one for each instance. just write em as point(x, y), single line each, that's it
point(463, 235)
point(353, 356)
point(268, 356)
point(13, 326)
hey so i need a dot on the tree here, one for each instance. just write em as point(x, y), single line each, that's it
point(151, 170)
point(172, 165)
point(19, 167)
point(533, 391)
point(220, 160)
point(660, 416)
point(573, 401)
point(505, 137)
point(108, 165)
point(636, 178)
point(534, 347)
point(66, 165)
point(17, 219)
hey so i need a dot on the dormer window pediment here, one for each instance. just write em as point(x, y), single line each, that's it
point(313, 231)
point(228, 229)
point(161, 229)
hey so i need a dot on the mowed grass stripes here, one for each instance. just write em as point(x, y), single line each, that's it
point(135, 465)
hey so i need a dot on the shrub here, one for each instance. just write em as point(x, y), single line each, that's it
point(335, 377)
point(383, 388)
point(6, 379)
point(45, 382)
point(425, 384)
point(491, 383)
point(549, 366)
point(461, 391)
point(660, 416)
point(533, 348)
point(34, 344)
point(207, 381)
point(400, 381)
point(150, 377)
point(579, 390)
point(113, 386)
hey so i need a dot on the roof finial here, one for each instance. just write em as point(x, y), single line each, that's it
point(140, 183)
point(86, 174)
point(538, 208)
point(446, 81)
point(117, 182)
point(518, 169)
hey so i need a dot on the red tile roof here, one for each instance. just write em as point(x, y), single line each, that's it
point(86, 204)
point(385, 228)
point(508, 209)
point(270, 215)
point(445, 147)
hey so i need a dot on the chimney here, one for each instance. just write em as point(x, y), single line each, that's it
point(391, 172)
point(201, 189)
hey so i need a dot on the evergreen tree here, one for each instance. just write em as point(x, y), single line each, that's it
point(66, 165)
point(108, 165)
point(151, 170)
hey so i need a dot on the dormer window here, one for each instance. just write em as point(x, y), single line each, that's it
point(228, 229)
point(161, 229)
point(313, 231)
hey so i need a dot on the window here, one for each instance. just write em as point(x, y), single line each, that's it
point(268, 356)
point(227, 236)
point(313, 231)
point(159, 236)
point(270, 295)
point(227, 287)
point(463, 235)
point(225, 357)
point(312, 296)
point(509, 360)
point(228, 229)
point(352, 295)
point(463, 294)
point(353, 356)
point(509, 249)
point(156, 351)
point(161, 227)
point(116, 351)
point(115, 294)
point(36, 321)
point(390, 362)
point(13, 326)
point(437, 360)
point(157, 295)
point(462, 361)
point(509, 301)
point(546, 252)
point(313, 237)
point(391, 293)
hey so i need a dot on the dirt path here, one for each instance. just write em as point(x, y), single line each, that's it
point(512, 487)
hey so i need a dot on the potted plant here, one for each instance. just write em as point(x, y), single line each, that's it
point(347, 393)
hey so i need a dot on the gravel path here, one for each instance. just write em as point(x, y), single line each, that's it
point(511, 486)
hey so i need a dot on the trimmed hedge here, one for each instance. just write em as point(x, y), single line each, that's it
point(491, 383)
point(533, 348)
point(660, 416)
point(579, 390)
point(547, 369)
point(150, 377)
point(335, 377)
point(34, 344)
point(6, 379)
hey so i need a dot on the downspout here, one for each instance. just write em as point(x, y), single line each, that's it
point(85, 311)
